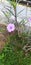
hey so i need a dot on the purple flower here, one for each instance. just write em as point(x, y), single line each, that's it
point(11, 27)
point(29, 19)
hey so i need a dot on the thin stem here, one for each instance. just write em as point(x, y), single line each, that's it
point(16, 24)
point(16, 15)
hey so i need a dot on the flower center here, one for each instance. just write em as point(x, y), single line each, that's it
point(30, 18)
point(10, 27)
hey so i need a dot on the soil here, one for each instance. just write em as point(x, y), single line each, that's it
point(2, 41)
point(3, 36)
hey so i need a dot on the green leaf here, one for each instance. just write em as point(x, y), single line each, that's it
point(10, 11)
point(20, 12)
point(2, 56)
point(14, 4)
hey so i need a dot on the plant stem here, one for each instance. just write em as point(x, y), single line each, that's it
point(16, 24)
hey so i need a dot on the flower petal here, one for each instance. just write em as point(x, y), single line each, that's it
point(10, 27)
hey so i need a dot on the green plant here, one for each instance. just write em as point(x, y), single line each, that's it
point(9, 11)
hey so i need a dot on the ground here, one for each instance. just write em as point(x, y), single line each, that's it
point(13, 54)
